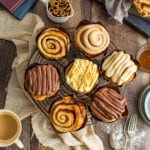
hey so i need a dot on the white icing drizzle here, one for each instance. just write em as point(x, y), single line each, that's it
point(119, 67)
point(82, 75)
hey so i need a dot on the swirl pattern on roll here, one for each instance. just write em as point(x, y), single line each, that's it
point(67, 114)
point(53, 43)
point(92, 39)
point(108, 105)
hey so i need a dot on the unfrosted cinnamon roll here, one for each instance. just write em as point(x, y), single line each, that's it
point(92, 39)
point(108, 105)
point(53, 43)
point(67, 115)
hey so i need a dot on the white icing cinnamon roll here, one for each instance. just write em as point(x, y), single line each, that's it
point(82, 75)
point(92, 39)
point(119, 67)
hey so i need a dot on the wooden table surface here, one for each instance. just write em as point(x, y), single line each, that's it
point(123, 36)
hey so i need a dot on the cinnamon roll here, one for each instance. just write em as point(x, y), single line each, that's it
point(143, 7)
point(67, 114)
point(53, 43)
point(92, 39)
point(119, 67)
point(107, 105)
point(42, 81)
point(82, 75)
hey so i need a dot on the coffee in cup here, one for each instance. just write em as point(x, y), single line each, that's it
point(10, 129)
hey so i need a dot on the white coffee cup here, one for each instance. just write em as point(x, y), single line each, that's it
point(10, 129)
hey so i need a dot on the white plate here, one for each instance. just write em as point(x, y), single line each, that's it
point(147, 105)
point(141, 104)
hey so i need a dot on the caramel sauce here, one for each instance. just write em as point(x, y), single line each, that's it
point(144, 59)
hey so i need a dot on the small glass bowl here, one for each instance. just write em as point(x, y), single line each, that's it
point(59, 19)
point(144, 47)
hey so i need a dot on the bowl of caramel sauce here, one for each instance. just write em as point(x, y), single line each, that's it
point(143, 57)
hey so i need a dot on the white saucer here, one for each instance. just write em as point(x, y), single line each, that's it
point(141, 104)
point(147, 105)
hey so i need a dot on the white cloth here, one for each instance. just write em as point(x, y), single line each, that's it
point(23, 34)
point(118, 9)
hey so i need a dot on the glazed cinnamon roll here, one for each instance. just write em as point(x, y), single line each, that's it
point(53, 43)
point(108, 105)
point(67, 114)
point(92, 39)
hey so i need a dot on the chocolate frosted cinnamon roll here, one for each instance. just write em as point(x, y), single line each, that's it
point(67, 115)
point(92, 39)
point(108, 105)
point(53, 43)
point(42, 81)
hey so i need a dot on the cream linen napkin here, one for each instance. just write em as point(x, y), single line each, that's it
point(118, 9)
point(22, 34)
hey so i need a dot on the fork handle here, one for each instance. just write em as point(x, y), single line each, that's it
point(126, 142)
point(131, 144)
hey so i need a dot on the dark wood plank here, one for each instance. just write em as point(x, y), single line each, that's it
point(7, 54)
point(86, 10)
point(3, 85)
point(26, 133)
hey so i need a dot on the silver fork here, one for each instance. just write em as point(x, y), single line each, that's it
point(132, 129)
point(126, 131)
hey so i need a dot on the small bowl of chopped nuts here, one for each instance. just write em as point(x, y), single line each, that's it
point(59, 11)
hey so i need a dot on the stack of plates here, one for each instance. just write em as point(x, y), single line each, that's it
point(144, 104)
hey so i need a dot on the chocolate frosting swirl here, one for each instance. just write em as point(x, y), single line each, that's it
point(42, 80)
point(107, 104)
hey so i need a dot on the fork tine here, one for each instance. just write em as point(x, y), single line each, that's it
point(133, 125)
point(125, 129)
point(130, 126)
point(135, 121)
point(126, 123)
